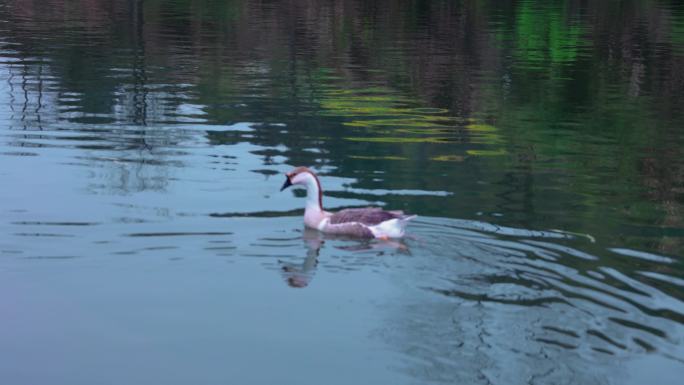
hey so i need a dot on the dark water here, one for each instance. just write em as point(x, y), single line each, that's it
point(144, 240)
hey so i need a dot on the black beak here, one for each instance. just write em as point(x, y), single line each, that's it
point(286, 184)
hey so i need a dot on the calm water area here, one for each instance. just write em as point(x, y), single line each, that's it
point(144, 240)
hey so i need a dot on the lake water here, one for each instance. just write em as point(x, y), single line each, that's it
point(144, 240)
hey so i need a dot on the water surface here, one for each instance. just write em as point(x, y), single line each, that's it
point(144, 239)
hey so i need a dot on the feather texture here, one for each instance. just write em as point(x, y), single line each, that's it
point(369, 216)
point(353, 229)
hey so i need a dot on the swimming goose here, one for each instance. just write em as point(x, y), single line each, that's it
point(369, 222)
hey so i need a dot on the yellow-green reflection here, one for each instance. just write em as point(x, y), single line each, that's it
point(384, 115)
point(448, 158)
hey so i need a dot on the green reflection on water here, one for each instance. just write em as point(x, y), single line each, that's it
point(544, 33)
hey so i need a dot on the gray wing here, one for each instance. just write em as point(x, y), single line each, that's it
point(353, 229)
point(369, 216)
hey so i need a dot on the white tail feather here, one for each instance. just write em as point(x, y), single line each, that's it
point(393, 228)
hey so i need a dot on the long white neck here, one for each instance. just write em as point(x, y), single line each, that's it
point(313, 193)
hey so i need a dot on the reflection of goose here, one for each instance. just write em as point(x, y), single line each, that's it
point(300, 275)
point(369, 222)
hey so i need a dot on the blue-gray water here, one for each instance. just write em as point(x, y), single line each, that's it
point(143, 239)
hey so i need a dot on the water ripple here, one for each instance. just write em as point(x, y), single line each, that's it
point(567, 308)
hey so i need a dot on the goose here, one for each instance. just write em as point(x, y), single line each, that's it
point(368, 222)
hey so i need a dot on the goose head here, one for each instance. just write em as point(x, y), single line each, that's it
point(303, 176)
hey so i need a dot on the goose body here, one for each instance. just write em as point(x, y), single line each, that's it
point(368, 222)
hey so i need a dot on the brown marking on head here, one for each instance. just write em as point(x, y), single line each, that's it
point(301, 170)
